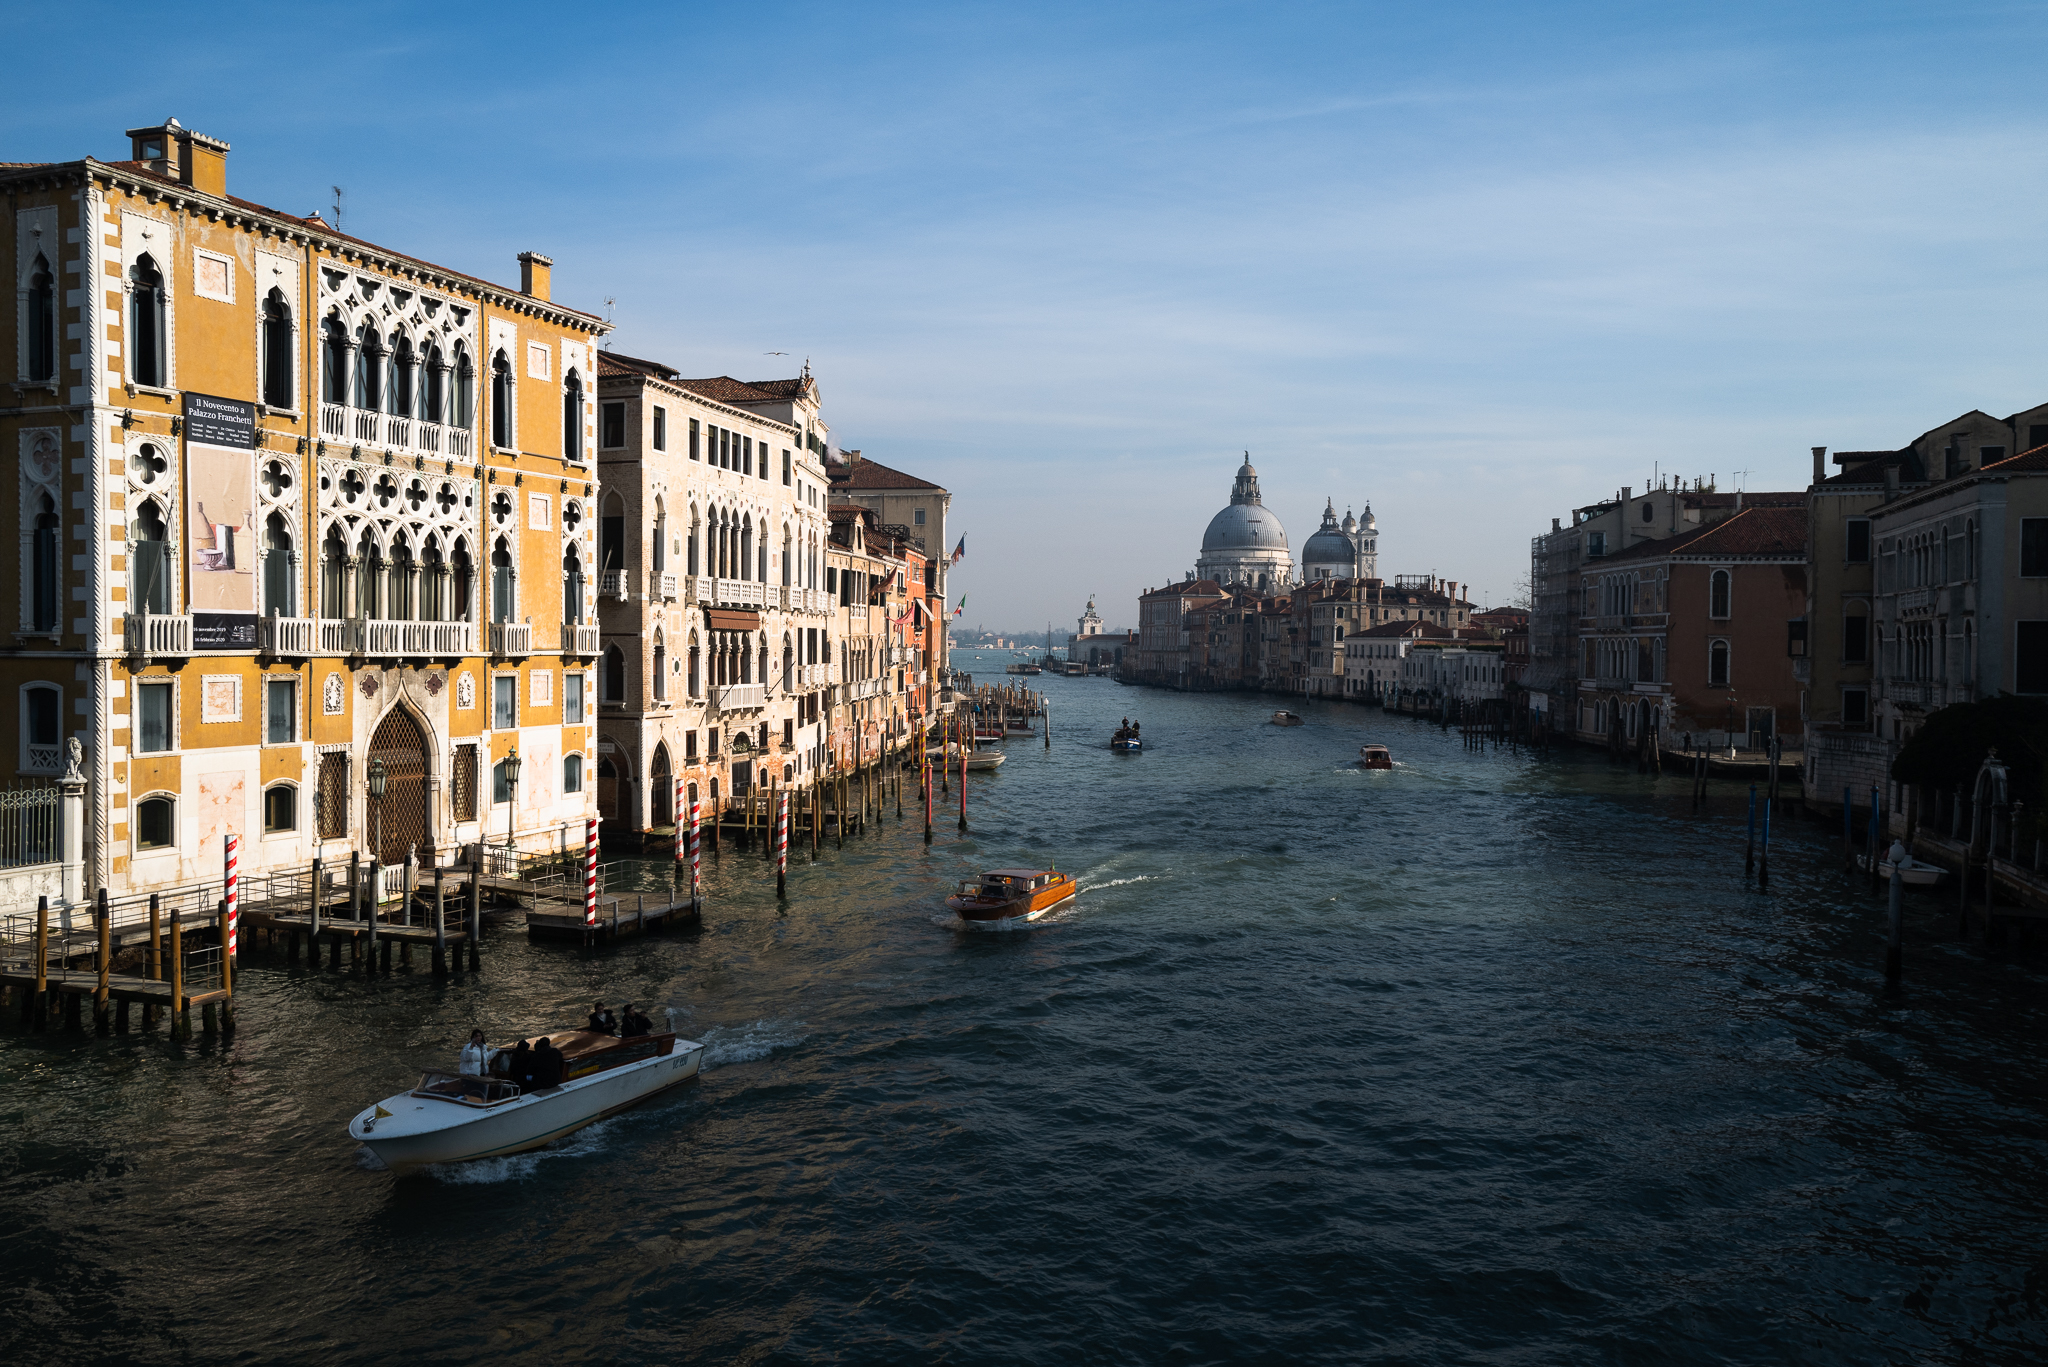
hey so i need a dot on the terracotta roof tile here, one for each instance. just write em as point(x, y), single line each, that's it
point(872, 474)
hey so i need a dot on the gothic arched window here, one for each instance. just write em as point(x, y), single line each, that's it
point(502, 606)
point(370, 371)
point(277, 352)
point(277, 567)
point(614, 675)
point(572, 417)
point(434, 386)
point(147, 361)
point(334, 361)
point(404, 365)
point(42, 321)
point(43, 567)
point(152, 560)
point(333, 573)
point(501, 401)
point(465, 389)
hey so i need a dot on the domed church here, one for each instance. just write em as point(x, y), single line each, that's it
point(1245, 544)
point(1347, 551)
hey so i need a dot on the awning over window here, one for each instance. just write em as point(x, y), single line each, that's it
point(731, 619)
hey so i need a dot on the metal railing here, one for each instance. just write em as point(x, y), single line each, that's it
point(29, 825)
point(149, 634)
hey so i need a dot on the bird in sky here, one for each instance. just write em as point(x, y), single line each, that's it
point(775, 353)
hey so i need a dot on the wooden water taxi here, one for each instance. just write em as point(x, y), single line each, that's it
point(1286, 719)
point(1374, 757)
point(1011, 895)
point(1127, 740)
point(453, 1117)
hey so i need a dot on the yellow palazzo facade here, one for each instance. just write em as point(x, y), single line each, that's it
point(293, 508)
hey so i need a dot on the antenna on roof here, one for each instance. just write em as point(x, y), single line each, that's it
point(337, 208)
point(1739, 475)
point(610, 308)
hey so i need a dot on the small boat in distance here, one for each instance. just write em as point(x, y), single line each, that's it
point(1126, 739)
point(1286, 719)
point(1011, 895)
point(454, 1117)
point(949, 755)
point(1374, 757)
point(1914, 874)
point(1023, 667)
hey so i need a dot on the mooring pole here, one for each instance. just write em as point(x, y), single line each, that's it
point(1749, 848)
point(1894, 952)
point(440, 925)
point(1876, 827)
point(696, 873)
point(1848, 829)
point(782, 848)
point(963, 788)
point(1763, 868)
point(181, 1010)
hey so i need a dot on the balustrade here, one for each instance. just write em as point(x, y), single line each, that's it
point(510, 639)
point(581, 639)
point(394, 430)
point(731, 697)
point(285, 635)
point(150, 634)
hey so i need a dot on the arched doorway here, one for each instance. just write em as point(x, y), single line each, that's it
point(398, 821)
point(660, 791)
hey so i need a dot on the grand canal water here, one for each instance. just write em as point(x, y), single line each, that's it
point(1491, 1058)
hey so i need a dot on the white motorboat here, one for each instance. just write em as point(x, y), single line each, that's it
point(452, 1117)
point(1914, 873)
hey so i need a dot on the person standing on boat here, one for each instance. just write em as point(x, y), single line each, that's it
point(522, 1067)
point(602, 1021)
point(636, 1024)
point(547, 1064)
point(476, 1055)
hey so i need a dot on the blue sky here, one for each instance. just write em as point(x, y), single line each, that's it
point(1478, 264)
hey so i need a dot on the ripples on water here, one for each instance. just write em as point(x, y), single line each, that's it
point(1484, 1059)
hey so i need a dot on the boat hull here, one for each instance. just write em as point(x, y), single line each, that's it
point(1130, 747)
point(1017, 909)
point(531, 1122)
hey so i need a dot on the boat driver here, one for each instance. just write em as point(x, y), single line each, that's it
point(475, 1055)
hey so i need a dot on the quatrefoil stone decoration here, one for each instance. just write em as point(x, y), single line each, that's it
point(352, 486)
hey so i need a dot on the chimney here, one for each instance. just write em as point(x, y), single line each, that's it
point(533, 274)
point(1738, 500)
point(1627, 492)
point(1553, 524)
point(173, 150)
point(1820, 463)
point(1891, 480)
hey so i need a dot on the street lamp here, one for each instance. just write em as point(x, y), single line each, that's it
point(512, 766)
point(377, 782)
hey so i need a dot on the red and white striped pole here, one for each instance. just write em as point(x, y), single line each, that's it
point(782, 847)
point(696, 868)
point(590, 872)
point(676, 810)
point(231, 886)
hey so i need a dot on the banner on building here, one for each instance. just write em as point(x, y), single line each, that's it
point(220, 521)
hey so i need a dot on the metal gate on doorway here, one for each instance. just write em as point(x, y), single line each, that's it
point(398, 820)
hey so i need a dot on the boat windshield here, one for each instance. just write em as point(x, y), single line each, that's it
point(472, 1091)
